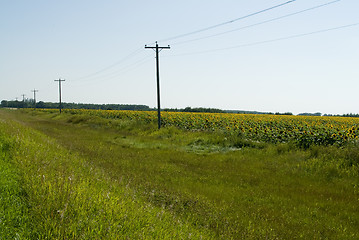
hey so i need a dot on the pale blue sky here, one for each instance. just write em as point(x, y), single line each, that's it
point(98, 47)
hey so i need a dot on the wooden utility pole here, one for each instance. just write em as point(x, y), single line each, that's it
point(34, 91)
point(157, 48)
point(60, 80)
point(23, 100)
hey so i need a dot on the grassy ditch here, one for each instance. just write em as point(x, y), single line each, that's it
point(68, 198)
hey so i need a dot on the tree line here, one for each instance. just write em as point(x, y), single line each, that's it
point(29, 103)
point(41, 104)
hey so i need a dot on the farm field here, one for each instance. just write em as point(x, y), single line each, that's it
point(304, 131)
point(89, 174)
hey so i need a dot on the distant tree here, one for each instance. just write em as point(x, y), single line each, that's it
point(310, 114)
point(3, 103)
point(286, 113)
point(350, 115)
point(208, 110)
point(41, 104)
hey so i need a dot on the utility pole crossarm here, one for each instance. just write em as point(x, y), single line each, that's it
point(158, 47)
point(158, 80)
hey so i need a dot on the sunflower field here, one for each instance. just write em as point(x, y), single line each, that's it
point(304, 131)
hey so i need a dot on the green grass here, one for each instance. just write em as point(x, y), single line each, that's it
point(14, 218)
point(87, 177)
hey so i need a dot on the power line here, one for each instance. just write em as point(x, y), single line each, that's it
point(256, 24)
point(111, 66)
point(228, 22)
point(137, 51)
point(121, 71)
point(134, 66)
point(201, 30)
point(269, 41)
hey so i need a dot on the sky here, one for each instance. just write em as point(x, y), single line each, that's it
point(270, 56)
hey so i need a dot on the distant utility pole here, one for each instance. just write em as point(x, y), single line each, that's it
point(34, 91)
point(60, 80)
point(158, 80)
point(23, 100)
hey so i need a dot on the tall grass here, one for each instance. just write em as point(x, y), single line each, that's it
point(14, 216)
